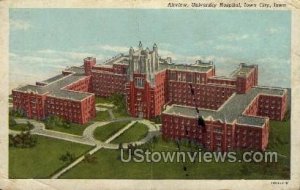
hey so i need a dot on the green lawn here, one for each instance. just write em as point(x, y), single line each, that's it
point(279, 139)
point(102, 100)
point(19, 127)
point(109, 166)
point(120, 113)
point(75, 129)
point(42, 160)
point(106, 131)
point(134, 133)
point(102, 116)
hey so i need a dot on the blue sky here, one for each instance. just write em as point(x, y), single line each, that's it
point(44, 41)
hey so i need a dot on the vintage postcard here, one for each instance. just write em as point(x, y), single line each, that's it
point(148, 95)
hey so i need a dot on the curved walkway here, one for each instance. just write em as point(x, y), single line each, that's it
point(88, 137)
point(152, 131)
point(39, 129)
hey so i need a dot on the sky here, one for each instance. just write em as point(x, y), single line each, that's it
point(45, 41)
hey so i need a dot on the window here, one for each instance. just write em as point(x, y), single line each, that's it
point(139, 82)
point(202, 79)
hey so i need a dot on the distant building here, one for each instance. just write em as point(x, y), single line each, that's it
point(235, 109)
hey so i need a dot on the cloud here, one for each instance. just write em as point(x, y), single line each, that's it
point(190, 59)
point(273, 30)
point(17, 24)
point(27, 67)
point(228, 48)
point(234, 37)
point(273, 61)
point(167, 53)
point(274, 71)
point(119, 49)
point(70, 55)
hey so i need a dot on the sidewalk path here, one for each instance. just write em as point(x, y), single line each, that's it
point(98, 147)
point(111, 114)
point(88, 136)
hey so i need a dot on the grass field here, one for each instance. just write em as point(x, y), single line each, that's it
point(102, 116)
point(120, 113)
point(102, 100)
point(134, 133)
point(109, 165)
point(106, 131)
point(42, 160)
point(75, 129)
point(279, 139)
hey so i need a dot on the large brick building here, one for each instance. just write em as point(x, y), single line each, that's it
point(235, 109)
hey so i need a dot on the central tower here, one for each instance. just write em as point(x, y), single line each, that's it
point(140, 90)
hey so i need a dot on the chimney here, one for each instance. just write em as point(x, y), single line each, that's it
point(89, 63)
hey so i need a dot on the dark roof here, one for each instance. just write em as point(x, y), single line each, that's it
point(232, 109)
point(78, 70)
point(189, 67)
point(52, 79)
point(55, 84)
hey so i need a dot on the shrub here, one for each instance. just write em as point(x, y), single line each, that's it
point(55, 121)
point(12, 122)
point(119, 101)
point(67, 157)
point(22, 140)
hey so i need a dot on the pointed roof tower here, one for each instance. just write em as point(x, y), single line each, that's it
point(131, 51)
point(155, 47)
point(140, 45)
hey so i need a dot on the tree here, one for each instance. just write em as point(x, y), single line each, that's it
point(67, 157)
point(29, 126)
point(120, 146)
point(156, 119)
point(287, 115)
point(12, 122)
point(11, 140)
point(23, 140)
point(55, 121)
point(119, 101)
point(154, 139)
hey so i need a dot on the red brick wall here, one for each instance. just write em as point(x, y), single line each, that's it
point(119, 69)
point(140, 100)
point(67, 109)
point(245, 83)
point(248, 137)
point(219, 136)
point(252, 109)
point(206, 96)
point(221, 81)
point(89, 62)
point(83, 85)
point(106, 84)
point(32, 104)
point(88, 109)
point(160, 92)
point(272, 106)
